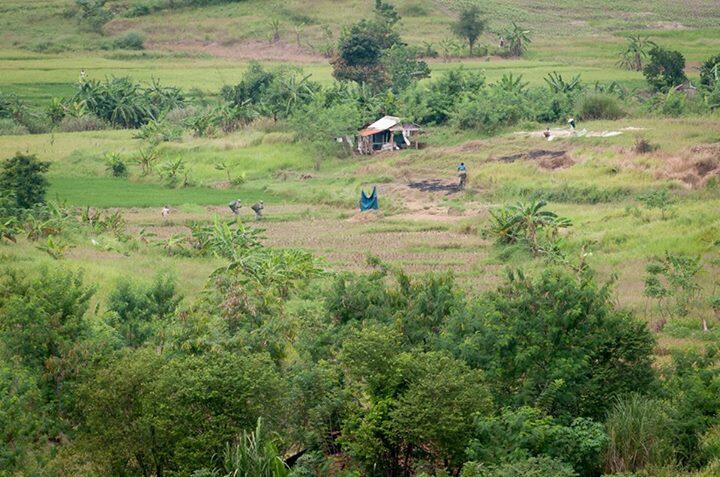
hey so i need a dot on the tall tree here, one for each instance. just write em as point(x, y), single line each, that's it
point(469, 26)
point(665, 69)
point(360, 52)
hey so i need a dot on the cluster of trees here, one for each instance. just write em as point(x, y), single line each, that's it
point(379, 374)
point(280, 369)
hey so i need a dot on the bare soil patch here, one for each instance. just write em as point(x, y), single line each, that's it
point(546, 159)
point(436, 185)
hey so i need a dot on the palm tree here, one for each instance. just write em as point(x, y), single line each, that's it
point(635, 52)
point(522, 221)
point(517, 40)
point(557, 83)
point(512, 84)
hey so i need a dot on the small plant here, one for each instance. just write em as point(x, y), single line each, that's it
point(224, 167)
point(657, 199)
point(55, 111)
point(55, 247)
point(202, 124)
point(156, 132)
point(643, 146)
point(116, 165)
point(672, 280)
point(639, 429)
point(255, 454)
point(9, 228)
point(147, 158)
point(274, 30)
point(517, 40)
point(171, 171)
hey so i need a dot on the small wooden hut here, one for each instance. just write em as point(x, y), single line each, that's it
point(388, 133)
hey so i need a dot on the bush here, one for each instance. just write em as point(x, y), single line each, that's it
point(528, 432)
point(8, 127)
point(23, 178)
point(599, 106)
point(45, 46)
point(124, 102)
point(493, 108)
point(116, 166)
point(710, 72)
point(572, 352)
point(542, 466)
point(643, 146)
point(135, 311)
point(129, 41)
point(88, 122)
point(674, 104)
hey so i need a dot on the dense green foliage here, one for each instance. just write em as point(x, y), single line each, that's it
point(710, 71)
point(665, 69)
point(22, 181)
point(125, 103)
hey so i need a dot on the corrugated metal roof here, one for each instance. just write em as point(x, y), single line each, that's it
point(384, 123)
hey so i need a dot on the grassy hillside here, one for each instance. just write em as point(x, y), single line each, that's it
point(43, 45)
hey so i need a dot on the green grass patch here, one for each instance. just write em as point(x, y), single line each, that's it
point(109, 192)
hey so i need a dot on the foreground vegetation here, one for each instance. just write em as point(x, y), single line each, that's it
point(559, 316)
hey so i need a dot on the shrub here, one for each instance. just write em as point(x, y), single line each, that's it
point(116, 165)
point(88, 122)
point(136, 310)
point(526, 223)
point(599, 106)
point(46, 46)
point(542, 466)
point(674, 104)
point(640, 435)
point(710, 72)
point(643, 146)
point(129, 41)
point(493, 108)
point(123, 102)
point(93, 14)
point(255, 454)
point(8, 127)
point(23, 178)
point(557, 342)
point(528, 432)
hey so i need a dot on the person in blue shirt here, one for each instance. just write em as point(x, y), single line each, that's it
point(462, 174)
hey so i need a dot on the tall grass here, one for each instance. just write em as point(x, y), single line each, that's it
point(639, 430)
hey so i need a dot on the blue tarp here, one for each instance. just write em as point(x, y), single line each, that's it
point(369, 202)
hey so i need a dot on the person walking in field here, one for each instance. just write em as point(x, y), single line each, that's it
point(462, 174)
point(165, 213)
